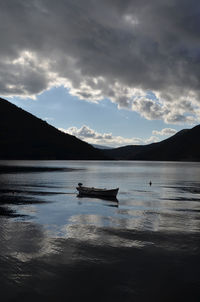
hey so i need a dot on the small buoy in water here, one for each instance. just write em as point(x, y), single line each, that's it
point(150, 183)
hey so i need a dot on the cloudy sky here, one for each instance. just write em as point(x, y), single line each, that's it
point(111, 72)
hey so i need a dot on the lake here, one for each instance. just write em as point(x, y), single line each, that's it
point(55, 245)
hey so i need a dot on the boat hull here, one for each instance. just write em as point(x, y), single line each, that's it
point(86, 191)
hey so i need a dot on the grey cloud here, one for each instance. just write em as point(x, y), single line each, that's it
point(104, 49)
point(149, 108)
point(22, 79)
point(165, 131)
point(176, 118)
point(170, 113)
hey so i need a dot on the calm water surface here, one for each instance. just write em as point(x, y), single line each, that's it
point(54, 245)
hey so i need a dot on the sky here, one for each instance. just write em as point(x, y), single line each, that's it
point(111, 72)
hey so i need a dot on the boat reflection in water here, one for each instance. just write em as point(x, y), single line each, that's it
point(96, 192)
point(110, 201)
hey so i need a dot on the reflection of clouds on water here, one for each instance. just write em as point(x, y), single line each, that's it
point(24, 240)
point(62, 239)
point(165, 215)
point(94, 235)
point(179, 221)
point(31, 209)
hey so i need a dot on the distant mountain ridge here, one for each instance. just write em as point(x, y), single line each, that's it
point(101, 147)
point(24, 136)
point(183, 146)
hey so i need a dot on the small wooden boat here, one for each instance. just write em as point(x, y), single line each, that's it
point(90, 191)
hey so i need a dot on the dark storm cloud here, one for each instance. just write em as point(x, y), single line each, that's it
point(115, 49)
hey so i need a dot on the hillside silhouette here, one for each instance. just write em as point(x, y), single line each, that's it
point(183, 146)
point(24, 136)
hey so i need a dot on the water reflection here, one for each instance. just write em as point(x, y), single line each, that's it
point(134, 249)
point(161, 206)
point(7, 169)
point(5, 211)
point(187, 187)
point(111, 201)
point(118, 263)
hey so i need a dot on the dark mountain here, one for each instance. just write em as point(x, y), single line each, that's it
point(24, 136)
point(183, 146)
